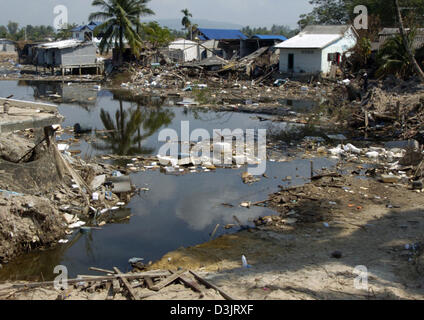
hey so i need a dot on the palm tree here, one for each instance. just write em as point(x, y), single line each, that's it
point(393, 57)
point(186, 22)
point(409, 50)
point(121, 19)
point(124, 135)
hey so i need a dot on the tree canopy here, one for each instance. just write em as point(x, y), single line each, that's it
point(342, 11)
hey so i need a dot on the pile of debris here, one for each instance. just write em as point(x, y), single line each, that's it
point(392, 109)
point(116, 285)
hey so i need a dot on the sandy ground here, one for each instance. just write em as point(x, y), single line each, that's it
point(295, 261)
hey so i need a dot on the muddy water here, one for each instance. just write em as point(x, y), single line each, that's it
point(178, 211)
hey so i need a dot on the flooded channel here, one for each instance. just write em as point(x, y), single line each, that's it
point(177, 211)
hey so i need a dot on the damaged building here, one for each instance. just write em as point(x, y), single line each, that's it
point(7, 46)
point(68, 55)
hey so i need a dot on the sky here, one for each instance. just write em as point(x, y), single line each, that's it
point(243, 12)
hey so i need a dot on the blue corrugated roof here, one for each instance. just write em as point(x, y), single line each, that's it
point(221, 34)
point(92, 25)
point(269, 37)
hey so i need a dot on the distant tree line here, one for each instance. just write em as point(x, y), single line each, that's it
point(14, 32)
point(275, 30)
point(342, 11)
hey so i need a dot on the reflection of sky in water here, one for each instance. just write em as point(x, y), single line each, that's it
point(178, 211)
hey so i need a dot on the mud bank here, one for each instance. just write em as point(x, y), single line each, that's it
point(27, 223)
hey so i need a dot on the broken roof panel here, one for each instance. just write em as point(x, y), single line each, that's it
point(221, 34)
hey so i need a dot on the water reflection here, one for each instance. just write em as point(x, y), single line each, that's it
point(178, 210)
point(123, 134)
point(83, 95)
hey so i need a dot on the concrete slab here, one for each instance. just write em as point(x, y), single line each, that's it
point(26, 118)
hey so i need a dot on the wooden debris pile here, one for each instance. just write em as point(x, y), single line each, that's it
point(127, 284)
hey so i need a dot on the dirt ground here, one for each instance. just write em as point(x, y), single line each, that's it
point(369, 225)
point(294, 261)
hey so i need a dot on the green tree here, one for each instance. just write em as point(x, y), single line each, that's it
point(275, 30)
point(12, 28)
point(155, 34)
point(65, 32)
point(393, 57)
point(121, 19)
point(408, 46)
point(186, 22)
point(342, 11)
point(3, 32)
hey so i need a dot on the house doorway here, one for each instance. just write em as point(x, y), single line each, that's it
point(88, 36)
point(291, 62)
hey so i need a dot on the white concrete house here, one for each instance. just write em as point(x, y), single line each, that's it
point(190, 49)
point(316, 48)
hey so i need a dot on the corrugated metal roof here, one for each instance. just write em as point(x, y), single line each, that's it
point(92, 25)
point(61, 44)
point(269, 37)
point(221, 34)
point(307, 39)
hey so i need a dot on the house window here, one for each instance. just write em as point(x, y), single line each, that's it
point(77, 35)
point(334, 57)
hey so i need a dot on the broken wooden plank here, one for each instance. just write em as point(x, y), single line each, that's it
point(149, 282)
point(116, 286)
point(126, 284)
point(105, 278)
point(210, 285)
point(191, 284)
point(101, 270)
point(109, 291)
point(162, 284)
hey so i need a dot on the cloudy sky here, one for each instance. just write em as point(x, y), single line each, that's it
point(243, 12)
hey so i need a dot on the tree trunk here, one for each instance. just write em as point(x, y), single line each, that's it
point(405, 43)
point(121, 46)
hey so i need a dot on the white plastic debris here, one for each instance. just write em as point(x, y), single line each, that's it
point(244, 262)
point(351, 148)
point(337, 151)
point(95, 196)
point(62, 147)
point(76, 225)
point(222, 147)
point(372, 154)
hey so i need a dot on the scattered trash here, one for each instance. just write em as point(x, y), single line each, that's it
point(244, 262)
